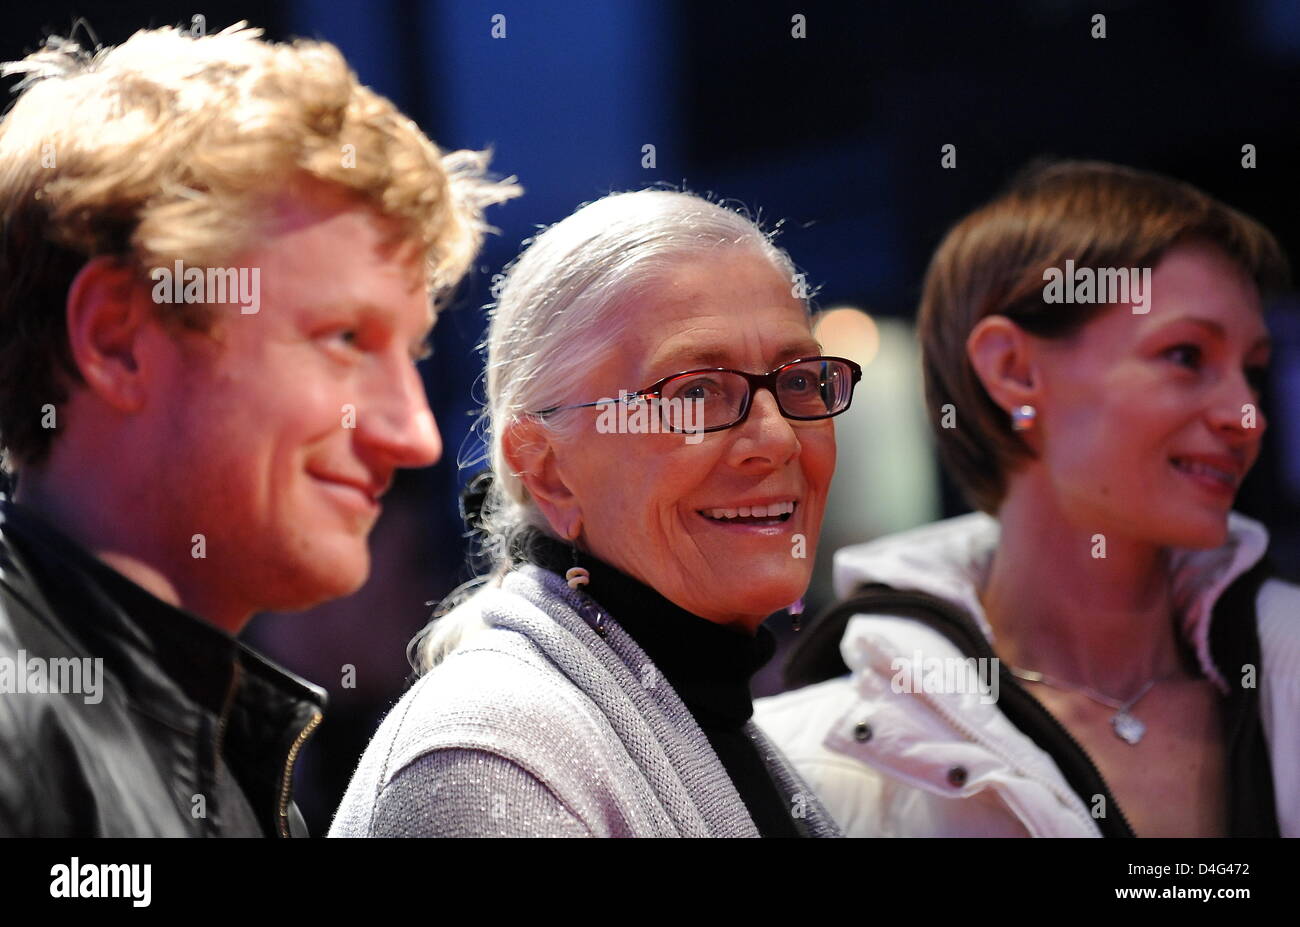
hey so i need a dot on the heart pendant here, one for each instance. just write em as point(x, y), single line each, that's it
point(1128, 728)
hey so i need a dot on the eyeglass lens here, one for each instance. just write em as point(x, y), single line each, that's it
point(809, 390)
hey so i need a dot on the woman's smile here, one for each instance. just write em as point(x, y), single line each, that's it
point(760, 518)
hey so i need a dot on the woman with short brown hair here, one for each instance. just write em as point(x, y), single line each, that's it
point(1093, 345)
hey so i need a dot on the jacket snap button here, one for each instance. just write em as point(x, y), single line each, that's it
point(957, 776)
point(862, 732)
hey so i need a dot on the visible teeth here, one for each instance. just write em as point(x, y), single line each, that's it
point(1204, 469)
point(753, 511)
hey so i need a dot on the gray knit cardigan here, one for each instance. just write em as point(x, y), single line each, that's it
point(552, 722)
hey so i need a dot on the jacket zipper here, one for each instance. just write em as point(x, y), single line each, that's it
point(286, 782)
point(1037, 707)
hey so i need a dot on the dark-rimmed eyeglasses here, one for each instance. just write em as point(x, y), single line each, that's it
point(806, 390)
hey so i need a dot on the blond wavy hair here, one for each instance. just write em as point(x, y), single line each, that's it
point(172, 147)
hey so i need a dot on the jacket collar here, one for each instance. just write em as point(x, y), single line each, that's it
point(172, 665)
point(708, 665)
point(137, 632)
point(951, 559)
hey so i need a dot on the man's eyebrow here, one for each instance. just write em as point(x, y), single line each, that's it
point(327, 306)
point(420, 345)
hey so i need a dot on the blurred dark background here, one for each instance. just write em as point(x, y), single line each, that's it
point(836, 135)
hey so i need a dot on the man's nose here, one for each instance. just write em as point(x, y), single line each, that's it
point(397, 421)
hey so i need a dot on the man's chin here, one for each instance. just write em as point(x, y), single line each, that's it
point(317, 585)
point(344, 580)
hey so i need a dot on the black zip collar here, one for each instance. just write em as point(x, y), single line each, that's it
point(192, 677)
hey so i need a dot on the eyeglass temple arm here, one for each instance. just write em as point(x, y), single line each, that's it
point(627, 397)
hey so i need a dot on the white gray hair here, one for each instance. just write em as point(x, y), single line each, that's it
point(558, 313)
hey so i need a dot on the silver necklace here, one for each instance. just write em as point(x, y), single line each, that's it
point(1128, 727)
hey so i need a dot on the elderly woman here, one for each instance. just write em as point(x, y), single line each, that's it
point(1135, 662)
point(658, 415)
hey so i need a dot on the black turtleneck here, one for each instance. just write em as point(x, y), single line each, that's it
point(708, 665)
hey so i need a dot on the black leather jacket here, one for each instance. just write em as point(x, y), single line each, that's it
point(187, 733)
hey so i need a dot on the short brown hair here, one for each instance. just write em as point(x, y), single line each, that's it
point(171, 147)
point(992, 263)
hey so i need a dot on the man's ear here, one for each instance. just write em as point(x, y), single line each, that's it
point(1006, 360)
point(529, 450)
point(106, 312)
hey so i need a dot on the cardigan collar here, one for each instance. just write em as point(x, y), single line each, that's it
point(708, 665)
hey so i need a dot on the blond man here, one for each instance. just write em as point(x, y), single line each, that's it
point(219, 262)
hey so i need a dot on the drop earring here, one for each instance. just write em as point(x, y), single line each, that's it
point(575, 576)
point(795, 609)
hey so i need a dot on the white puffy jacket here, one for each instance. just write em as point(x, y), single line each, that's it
point(919, 764)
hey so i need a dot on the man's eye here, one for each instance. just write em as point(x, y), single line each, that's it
point(1186, 355)
point(347, 337)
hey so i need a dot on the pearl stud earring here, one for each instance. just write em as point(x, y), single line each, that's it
point(1022, 418)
